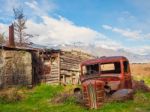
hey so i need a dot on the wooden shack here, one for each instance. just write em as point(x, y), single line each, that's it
point(30, 65)
point(62, 66)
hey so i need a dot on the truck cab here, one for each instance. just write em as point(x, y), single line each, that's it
point(113, 71)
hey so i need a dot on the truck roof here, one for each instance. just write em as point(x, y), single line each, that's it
point(104, 59)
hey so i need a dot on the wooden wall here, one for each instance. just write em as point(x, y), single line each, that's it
point(15, 68)
point(70, 66)
point(62, 67)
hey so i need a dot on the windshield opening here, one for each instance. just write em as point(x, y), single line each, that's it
point(110, 68)
point(91, 69)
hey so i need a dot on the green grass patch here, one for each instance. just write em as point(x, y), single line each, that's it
point(36, 100)
point(39, 100)
point(145, 78)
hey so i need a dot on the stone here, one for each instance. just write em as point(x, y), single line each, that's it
point(122, 95)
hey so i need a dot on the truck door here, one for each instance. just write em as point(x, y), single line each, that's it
point(127, 75)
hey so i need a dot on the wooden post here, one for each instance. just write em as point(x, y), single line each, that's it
point(64, 80)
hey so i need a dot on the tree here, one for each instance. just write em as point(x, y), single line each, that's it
point(20, 26)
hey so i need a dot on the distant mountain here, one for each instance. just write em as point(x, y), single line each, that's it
point(100, 51)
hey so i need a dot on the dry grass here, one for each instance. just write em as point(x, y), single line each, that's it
point(11, 95)
point(141, 72)
point(140, 69)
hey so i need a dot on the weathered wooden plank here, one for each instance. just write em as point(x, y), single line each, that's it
point(54, 71)
point(66, 72)
point(70, 58)
point(81, 56)
point(54, 68)
point(48, 76)
point(69, 66)
point(54, 65)
point(70, 63)
point(72, 70)
point(52, 80)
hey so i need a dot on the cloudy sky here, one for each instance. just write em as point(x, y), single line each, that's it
point(114, 24)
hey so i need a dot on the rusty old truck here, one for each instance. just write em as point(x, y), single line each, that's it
point(104, 76)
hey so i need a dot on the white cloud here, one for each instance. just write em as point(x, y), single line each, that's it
point(60, 31)
point(56, 31)
point(4, 29)
point(128, 33)
point(32, 5)
point(124, 15)
point(142, 50)
point(41, 8)
point(6, 13)
point(64, 31)
point(9, 5)
point(32, 8)
point(107, 27)
point(132, 34)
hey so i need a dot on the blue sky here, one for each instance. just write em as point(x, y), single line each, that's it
point(114, 24)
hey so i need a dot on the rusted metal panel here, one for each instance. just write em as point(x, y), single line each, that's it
point(93, 93)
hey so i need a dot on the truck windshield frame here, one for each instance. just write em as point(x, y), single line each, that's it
point(99, 68)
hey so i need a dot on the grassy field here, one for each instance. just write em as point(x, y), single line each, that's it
point(39, 100)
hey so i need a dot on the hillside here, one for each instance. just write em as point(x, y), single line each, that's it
point(100, 51)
